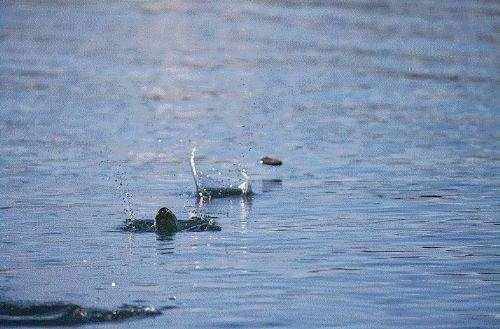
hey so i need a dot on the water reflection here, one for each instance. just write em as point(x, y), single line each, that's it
point(166, 244)
point(165, 237)
point(269, 185)
point(246, 207)
point(226, 207)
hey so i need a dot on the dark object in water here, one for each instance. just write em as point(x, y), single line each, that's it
point(270, 161)
point(166, 223)
point(272, 181)
point(220, 192)
point(59, 314)
point(428, 196)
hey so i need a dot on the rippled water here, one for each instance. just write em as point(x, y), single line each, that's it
point(384, 213)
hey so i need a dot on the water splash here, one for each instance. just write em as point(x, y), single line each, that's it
point(212, 188)
point(61, 314)
point(124, 191)
point(115, 172)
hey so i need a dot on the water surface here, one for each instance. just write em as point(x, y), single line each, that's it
point(384, 114)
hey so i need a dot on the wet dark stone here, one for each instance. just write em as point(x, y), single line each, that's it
point(270, 161)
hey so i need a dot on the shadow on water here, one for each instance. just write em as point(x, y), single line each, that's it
point(269, 185)
point(166, 244)
point(62, 314)
point(165, 237)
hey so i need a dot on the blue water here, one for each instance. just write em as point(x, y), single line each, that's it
point(384, 113)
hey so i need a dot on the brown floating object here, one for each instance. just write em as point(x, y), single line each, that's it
point(270, 161)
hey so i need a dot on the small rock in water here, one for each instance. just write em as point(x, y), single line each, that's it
point(270, 161)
